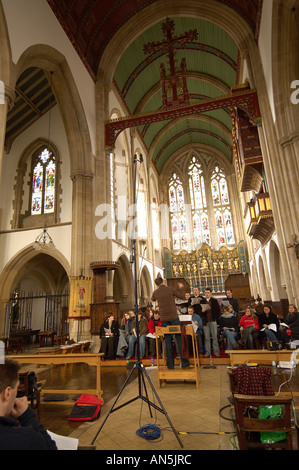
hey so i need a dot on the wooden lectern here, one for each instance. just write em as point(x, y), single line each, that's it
point(192, 373)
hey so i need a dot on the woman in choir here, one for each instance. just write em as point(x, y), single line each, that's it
point(109, 333)
point(269, 323)
point(250, 328)
point(293, 321)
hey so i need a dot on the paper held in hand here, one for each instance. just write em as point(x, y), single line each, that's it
point(205, 307)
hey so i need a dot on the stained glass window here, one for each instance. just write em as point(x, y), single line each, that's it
point(222, 211)
point(201, 229)
point(43, 183)
point(194, 221)
point(177, 213)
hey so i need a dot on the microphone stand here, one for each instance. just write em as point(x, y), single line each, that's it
point(138, 364)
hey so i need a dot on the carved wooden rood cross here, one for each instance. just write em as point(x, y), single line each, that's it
point(168, 47)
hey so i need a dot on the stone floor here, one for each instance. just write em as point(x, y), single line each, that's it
point(193, 413)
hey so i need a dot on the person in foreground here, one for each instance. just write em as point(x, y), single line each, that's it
point(165, 295)
point(19, 428)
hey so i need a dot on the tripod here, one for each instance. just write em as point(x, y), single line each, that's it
point(142, 374)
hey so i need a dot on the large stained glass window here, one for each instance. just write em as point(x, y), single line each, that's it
point(208, 208)
point(200, 218)
point(177, 214)
point(43, 183)
point(222, 211)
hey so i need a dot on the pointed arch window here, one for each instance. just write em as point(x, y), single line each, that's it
point(177, 213)
point(222, 210)
point(43, 183)
point(200, 218)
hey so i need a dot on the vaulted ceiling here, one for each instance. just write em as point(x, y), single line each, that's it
point(203, 59)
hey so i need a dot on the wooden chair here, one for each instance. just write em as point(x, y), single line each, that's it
point(191, 373)
point(249, 428)
point(14, 344)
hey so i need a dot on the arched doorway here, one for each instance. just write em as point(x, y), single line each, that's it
point(123, 291)
point(262, 280)
point(145, 287)
point(35, 292)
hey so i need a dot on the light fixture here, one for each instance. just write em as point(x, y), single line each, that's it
point(43, 240)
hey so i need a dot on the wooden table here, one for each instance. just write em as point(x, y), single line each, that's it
point(258, 356)
point(60, 359)
point(83, 346)
point(265, 357)
point(46, 334)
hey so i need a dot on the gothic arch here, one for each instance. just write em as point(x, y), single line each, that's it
point(277, 276)
point(123, 283)
point(219, 14)
point(264, 293)
point(145, 287)
point(17, 267)
point(68, 101)
point(19, 186)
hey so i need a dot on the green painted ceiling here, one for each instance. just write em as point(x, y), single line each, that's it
point(211, 62)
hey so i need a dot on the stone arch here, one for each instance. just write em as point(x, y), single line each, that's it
point(29, 260)
point(277, 275)
point(214, 12)
point(123, 290)
point(68, 101)
point(79, 143)
point(264, 293)
point(34, 146)
point(145, 287)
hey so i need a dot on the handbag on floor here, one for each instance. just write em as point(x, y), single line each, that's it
point(87, 408)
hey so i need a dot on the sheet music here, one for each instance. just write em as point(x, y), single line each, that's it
point(64, 442)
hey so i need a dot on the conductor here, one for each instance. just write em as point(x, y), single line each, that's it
point(165, 295)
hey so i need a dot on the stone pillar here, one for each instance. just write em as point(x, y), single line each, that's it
point(7, 96)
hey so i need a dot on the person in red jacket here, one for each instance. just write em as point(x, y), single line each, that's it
point(152, 323)
point(250, 328)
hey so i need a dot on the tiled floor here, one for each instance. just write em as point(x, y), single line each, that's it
point(194, 414)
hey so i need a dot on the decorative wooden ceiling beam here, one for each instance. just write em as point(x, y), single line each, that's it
point(240, 98)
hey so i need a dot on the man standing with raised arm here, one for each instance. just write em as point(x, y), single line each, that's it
point(165, 296)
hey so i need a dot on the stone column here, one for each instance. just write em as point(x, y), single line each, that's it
point(7, 96)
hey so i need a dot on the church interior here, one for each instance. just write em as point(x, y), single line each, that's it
point(144, 139)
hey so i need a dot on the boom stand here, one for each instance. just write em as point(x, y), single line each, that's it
point(138, 364)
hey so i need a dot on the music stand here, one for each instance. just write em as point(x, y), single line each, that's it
point(138, 364)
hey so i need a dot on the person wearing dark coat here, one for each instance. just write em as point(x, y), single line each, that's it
point(19, 428)
point(267, 318)
point(165, 296)
point(293, 321)
point(210, 318)
point(109, 333)
point(232, 300)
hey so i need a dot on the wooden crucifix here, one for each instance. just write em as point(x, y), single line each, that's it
point(176, 79)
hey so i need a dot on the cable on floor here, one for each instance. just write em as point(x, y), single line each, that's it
point(150, 432)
